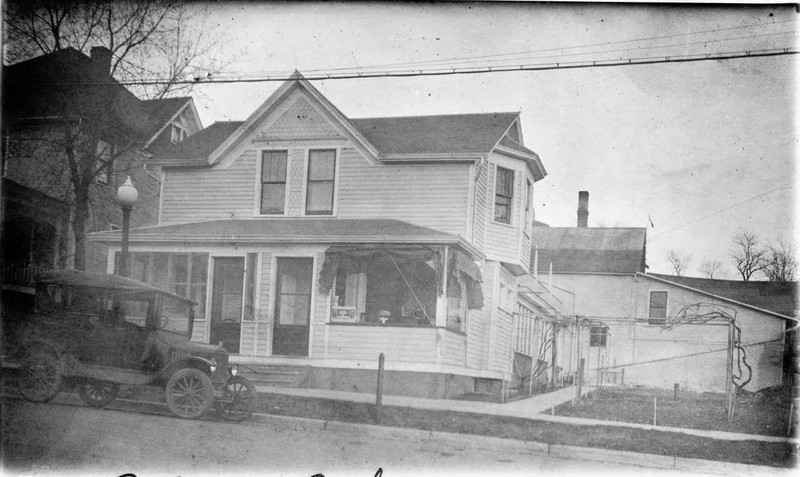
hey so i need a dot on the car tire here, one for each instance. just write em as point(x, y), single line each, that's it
point(189, 393)
point(40, 378)
point(98, 393)
point(238, 399)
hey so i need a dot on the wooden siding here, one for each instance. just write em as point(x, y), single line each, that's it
point(503, 341)
point(399, 344)
point(319, 315)
point(430, 195)
point(481, 198)
point(257, 334)
point(502, 240)
point(454, 347)
point(210, 194)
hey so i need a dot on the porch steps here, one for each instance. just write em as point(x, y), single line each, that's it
point(276, 376)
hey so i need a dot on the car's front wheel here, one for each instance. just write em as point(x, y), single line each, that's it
point(238, 399)
point(40, 378)
point(189, 393)
point(98, 393)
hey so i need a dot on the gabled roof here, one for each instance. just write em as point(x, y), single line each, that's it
point(284, 230)
point(589, 249)
point(194, 150)
point(388, 139)
point(777, 297)
point(438, 134)
point(67, 83)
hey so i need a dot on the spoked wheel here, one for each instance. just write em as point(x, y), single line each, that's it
point(98, 393)
point(189, 393)
point(40, 378)
point(238, 399)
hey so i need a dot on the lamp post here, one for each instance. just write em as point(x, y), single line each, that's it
point(127, 195)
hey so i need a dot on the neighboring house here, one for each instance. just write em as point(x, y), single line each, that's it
point(319, 241)
point(638, 341)
point(68, 96)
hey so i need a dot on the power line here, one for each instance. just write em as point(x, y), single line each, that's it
point(546, 50)
point(464, 71)
point(782, 186)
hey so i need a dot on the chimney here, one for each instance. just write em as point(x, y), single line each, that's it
point(101, 58)
point(583, 209)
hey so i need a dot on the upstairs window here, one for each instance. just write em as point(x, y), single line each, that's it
point(321, 174)
point(273, 182)
point(503, 195)
point(178, 134)
point(104, 163)
point(528, 206)
point(658, 307)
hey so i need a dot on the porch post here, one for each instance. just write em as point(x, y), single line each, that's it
point(441, 299)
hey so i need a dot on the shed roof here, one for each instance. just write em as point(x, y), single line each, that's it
point(589, 249)
point(777, 297)
point(305, 230)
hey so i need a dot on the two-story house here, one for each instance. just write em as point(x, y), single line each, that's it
point(312, 239)
point(63, 115)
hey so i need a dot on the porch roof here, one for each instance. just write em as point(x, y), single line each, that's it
point(285, 230)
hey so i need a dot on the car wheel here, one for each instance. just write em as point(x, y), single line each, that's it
point(98, 393)
point(238, 399)
point(40, 378)
point(189, 393)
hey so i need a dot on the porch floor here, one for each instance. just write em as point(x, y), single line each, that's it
point(528, 407)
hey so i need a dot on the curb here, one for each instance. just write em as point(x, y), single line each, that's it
point(559, 451)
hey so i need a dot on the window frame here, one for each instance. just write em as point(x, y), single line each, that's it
point(657, 320)
point(260, 183)
point(102, 153)
point(333, 181)
point(598, 336)
point(528, 228)
point(180, 131)
point(510, 197)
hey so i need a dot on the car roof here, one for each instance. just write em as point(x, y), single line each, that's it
point(102, 280)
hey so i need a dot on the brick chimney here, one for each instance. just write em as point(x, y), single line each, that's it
point(101, 57)
point(583, 208)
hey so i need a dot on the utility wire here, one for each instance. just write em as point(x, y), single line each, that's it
point(463, 71)
point(573, 47)
point(780, 187)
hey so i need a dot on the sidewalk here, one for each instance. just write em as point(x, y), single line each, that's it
point(533, 408)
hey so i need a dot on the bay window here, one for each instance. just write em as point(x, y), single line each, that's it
point(503, 195)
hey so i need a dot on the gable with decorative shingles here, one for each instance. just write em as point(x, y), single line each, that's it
point(301, 121)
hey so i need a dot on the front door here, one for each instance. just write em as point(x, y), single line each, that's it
point(226, 302)
point(292, 306)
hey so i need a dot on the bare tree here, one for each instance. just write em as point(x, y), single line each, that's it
point(679, 261)
point(169, 40)
point(709, 268)
point(748, 255)
point(781, 262)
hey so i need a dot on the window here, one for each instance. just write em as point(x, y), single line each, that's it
point(503, 195)
point(528, 206)
point(658, 307)
point(104, 163)
point(598, 336)
point(273, 182)
point(178, 134)
point(321, 172)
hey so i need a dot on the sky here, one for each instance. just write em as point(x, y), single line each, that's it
point(696, 152)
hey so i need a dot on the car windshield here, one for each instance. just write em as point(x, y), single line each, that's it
point(176, 316)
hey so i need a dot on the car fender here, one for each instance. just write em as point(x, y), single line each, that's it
point(202, 364)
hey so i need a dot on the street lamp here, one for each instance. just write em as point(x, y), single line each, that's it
point(127, 195)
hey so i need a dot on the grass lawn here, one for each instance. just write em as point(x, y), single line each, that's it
point(764, 413)
point(616, 438)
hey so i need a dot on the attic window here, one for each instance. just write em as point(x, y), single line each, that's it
point(178, 134)
point(503, 195)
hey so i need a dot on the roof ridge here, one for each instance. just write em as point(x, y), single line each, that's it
point(435, 115)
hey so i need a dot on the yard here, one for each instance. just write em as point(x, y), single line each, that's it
point(765, 413)
point(606, 437)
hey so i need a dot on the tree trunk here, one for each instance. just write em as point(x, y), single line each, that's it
point(80, 217)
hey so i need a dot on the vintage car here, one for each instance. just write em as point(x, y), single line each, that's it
point(97, 332)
